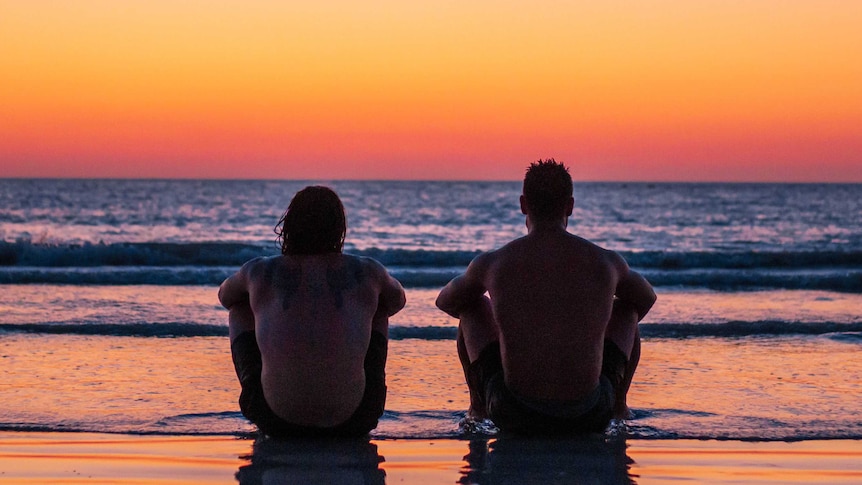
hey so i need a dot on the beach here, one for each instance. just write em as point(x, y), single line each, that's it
point(777, 409)
point(126, 459)
point(150, 150)
point(116, 365)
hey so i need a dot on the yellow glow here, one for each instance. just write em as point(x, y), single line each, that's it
point(636, 86)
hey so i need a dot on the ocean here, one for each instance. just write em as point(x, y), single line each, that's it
point(109, 320)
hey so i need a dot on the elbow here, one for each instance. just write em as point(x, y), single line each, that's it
point(229, 299)
point(448, 307)
point(445, 306)
point(222, 297)
point(440, 303)
point(392, 303)
point(400, 302)
point(652, 298)
point(640, 305)
point(646, 305)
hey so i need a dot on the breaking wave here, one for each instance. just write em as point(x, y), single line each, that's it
point(211, 263)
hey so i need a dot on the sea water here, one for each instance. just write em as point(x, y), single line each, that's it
point(109, 320)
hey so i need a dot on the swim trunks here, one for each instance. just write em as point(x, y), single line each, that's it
point(523, 415)
point(248, 365)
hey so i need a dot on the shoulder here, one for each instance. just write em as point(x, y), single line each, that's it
point(374, 274)
point(513, 251)
point(614, 261)
point(584, 244)
point(481, 266)
point(257, 264)
point(605, 257)
point(236, 287)
point(264, 269)
point(367, 265)
point(364, 261)
point(484, 260)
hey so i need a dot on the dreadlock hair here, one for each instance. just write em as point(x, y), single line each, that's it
point(547, 189)
point(314, 223)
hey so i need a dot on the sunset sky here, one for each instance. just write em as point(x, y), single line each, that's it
point(716, 90)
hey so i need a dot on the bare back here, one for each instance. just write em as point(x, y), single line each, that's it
point(553, 299)
point(313, 316)
point(552, 294)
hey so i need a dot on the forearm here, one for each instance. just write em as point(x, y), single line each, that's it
point(454, 299)
point(240, 319)
point(640, 305)
point(635, 290)
point(380, 321)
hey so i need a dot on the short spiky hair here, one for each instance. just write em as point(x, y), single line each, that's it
point(314, 223)
point(547, 188)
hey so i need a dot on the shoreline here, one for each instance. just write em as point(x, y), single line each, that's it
point(63, 457)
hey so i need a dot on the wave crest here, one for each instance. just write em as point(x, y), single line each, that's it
point(27, 253)
point(210, 263)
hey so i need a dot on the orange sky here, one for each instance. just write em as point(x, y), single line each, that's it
point(392, 89)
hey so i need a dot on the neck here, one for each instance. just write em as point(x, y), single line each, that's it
point(554, 225)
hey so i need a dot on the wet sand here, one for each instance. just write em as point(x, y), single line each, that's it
point(35, 457)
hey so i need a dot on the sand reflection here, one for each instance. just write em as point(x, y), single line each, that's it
point(313, 461)
point(563, 460)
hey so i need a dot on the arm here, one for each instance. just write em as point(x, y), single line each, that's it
point(234, 289)
point(634, 289)
point(380, 322)
point(392, 298)
point(464, 290)
point(233, 295)
point(240, 320)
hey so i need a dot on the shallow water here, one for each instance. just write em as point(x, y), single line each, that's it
point(752, 386)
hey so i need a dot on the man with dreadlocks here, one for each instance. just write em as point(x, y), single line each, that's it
point(309, 327)
point(553, 346)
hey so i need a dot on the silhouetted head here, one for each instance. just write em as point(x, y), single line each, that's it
point(314, 223)
point(547, 190)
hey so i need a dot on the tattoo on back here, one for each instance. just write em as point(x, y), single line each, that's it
point(285, 280)
point(342, 279)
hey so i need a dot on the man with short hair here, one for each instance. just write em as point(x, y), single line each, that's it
point(554, 346)
point(309, 328)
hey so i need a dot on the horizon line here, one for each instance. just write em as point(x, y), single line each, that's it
point(373, 180)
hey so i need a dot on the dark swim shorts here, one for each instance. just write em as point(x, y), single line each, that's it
point(523, 415)
point(247, 363)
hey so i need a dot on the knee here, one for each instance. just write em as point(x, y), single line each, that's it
point(624, 312)
point(480, 309)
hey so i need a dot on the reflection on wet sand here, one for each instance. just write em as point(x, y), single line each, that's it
point(505, 460)
point(313, 461)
